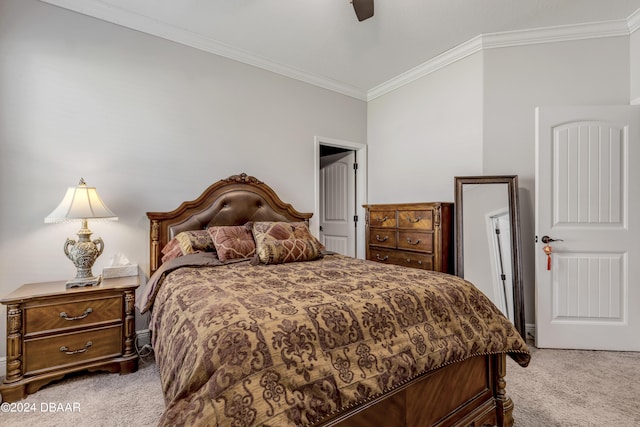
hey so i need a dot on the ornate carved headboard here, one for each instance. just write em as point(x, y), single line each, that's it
point(232, 201)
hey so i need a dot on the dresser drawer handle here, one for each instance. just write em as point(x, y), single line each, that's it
point(414, 220)
point(379, 239)
point(409, 261)
point(411, 242)
point(65, 316)
point(382, 219)
point(379, 258)
point(65, 349)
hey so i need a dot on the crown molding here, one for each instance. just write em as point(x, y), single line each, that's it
point(634, 21)
point(556, 34)
point(131, 20)
point(105, 12)
point(507, 39)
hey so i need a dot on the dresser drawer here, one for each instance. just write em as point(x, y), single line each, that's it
point(382, 218)
point(415, 241)
point(422, 233)
point(418, 219)
point(72, 348)
point(65, 315)
point(382, 237)
point(406, 259)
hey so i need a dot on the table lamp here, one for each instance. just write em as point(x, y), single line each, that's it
point(82, 203)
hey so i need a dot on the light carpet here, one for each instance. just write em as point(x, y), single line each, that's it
point(576, 388)
point(559, 388)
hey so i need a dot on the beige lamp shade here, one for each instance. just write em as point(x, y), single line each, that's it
point(79, 203)
point(82, 203)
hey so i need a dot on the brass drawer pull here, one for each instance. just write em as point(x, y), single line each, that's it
point(414, 220)
point(411, 242)
point(65, 316)
point(65, 349)
point(382, 219)
point(382, 258)
point(381, 239)
point(409, 261)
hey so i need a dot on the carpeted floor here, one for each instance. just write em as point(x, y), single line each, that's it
point(559, 388)
point(103, 399)
point(576, 388)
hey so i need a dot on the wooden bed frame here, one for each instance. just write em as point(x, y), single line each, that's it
point(469, 393)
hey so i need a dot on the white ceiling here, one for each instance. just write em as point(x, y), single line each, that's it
point(322, 42)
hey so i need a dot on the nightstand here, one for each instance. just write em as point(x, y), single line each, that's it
point(53, 331)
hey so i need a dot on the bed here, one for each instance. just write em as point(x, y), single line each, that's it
point(290, 334)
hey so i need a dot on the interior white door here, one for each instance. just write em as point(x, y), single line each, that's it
point(337, 203)
point(587, 198)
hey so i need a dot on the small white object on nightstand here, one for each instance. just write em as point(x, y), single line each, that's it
point(119, 266)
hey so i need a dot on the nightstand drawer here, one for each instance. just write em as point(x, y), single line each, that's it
point(53, 330)
point(66, 315)
point(72, 348)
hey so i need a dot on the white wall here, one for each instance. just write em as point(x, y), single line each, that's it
point(423, 134)
point(476, 116)
point(148, 122)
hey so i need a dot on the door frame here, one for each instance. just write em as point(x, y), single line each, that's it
point(361, 185)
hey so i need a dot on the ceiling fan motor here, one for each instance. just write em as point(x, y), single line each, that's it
point(363, 8)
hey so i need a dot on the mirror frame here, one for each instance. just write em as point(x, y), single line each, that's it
point(514, 218)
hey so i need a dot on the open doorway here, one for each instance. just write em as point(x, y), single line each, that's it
point(337, 199)
point(340, 174)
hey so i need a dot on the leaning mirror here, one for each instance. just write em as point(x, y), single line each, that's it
point(487, 224)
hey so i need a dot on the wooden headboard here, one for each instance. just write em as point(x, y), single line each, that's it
point(232, 201)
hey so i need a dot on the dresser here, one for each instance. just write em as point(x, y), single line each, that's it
point(53, 331)
point(418, 235)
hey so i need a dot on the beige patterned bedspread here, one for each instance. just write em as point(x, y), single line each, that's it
point(290, 344)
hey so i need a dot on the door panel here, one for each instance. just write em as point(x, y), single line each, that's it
point(588, 162)
point(337, 204)
point(584, 296)
point(590, 286)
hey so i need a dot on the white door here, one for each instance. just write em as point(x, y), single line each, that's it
point(337, 203)
point(588, 195)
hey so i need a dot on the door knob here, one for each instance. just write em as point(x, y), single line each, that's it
point(547, 239)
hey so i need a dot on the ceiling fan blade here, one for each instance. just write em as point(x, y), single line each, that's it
point(363, 8)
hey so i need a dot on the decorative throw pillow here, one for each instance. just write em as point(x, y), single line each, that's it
point(280, 242)
point(188, 242)
point(232, 241)
point(195, 240)
point(171, 250)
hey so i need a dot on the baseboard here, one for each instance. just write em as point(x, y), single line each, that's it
point(530, 331)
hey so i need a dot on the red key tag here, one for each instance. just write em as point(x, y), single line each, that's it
point(548, 250)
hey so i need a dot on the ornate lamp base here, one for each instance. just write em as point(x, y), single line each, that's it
point(86, 281)
point(83, 253)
